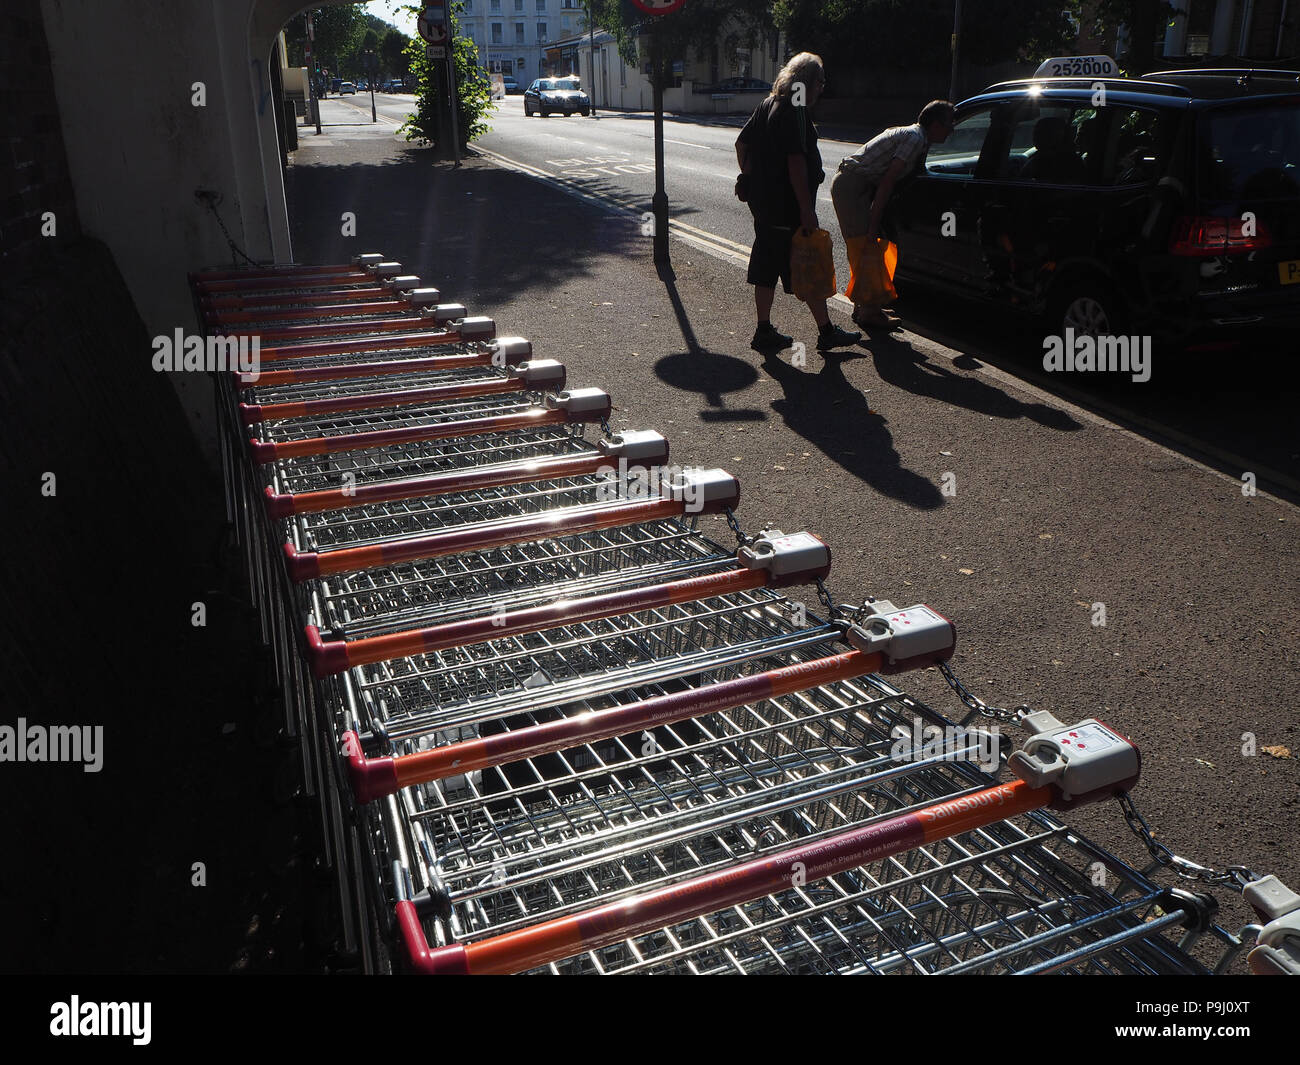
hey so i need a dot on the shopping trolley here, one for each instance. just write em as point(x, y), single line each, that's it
point(401, 296)
point(556, 726)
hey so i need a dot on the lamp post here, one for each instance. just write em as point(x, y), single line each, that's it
point(372, 65)
point(591, 30)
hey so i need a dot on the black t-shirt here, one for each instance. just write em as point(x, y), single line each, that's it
point(776, 130)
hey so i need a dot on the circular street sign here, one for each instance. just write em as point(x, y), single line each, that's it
point(659, 7)
point(430, 24)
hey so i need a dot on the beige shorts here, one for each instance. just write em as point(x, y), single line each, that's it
point(852, 195)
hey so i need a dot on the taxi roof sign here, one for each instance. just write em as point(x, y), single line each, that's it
point(1078, 66)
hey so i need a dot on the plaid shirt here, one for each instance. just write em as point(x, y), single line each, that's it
point(873, 159)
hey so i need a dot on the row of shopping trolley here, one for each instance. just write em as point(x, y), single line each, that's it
point(561, 712)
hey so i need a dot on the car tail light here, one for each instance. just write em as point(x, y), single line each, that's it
point(1211, 235)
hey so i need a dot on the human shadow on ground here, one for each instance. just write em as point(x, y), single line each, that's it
point(901, 365)
point(822, 406)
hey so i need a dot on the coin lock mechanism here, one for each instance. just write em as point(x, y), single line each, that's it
point(1082, 763)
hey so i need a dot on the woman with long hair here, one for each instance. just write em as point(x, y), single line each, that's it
point(780, 171)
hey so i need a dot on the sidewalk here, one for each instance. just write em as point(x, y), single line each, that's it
point(1055, 510)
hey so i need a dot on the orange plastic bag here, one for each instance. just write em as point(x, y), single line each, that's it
point(871, 271)
point(812, 266)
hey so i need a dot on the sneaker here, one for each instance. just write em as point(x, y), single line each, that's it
point(766, 338)
point(835, 337)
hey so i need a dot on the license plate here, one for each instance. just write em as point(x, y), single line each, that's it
point(1289, 272)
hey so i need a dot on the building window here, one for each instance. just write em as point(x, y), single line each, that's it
point(564, 22)
point(496, 7)
point(519, 33)
point(541, 6)
point(496, 33)
point(519, 5)
point(541, 33)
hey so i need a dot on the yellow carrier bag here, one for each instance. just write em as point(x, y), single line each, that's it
point(812, 266)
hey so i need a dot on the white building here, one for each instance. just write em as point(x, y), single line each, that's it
point(693, 89)
point(512, 35)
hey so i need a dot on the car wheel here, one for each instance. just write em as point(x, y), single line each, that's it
point(584, 114)
point(545, 113)
point(1089, 308)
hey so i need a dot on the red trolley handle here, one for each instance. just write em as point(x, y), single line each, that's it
point(550, 941)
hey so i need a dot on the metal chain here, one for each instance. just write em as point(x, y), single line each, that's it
point(824, 597)
point(1237, 876)
point(235, 248)
point(977, 705)
point(605, 427)
point(741, 539)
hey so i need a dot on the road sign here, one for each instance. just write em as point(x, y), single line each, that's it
point(435, 51)
point(659, 7)
point(432, 23)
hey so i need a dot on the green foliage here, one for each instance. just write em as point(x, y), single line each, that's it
point(392, 53)
point(473, 91)
point(339, 32)
point(1145, 19)
point(918, 32)
point(694, 29)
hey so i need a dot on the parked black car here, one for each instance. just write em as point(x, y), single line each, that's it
point(1167, 205)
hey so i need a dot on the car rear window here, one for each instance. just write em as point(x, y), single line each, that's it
point(1249, 153)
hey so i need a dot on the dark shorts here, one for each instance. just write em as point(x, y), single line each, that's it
point(769, 259)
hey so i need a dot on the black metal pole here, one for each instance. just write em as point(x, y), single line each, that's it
point(956, 50)
point(591, 40)
point(372, 64)
point(659, 204)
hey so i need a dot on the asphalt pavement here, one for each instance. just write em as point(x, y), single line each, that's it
point(934, 476)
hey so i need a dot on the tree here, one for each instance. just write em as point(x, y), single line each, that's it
point(1143, 19)
point(695, 28)
point(473, 91)
point(392, 52)
point(918, 32)
point(338, 34)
